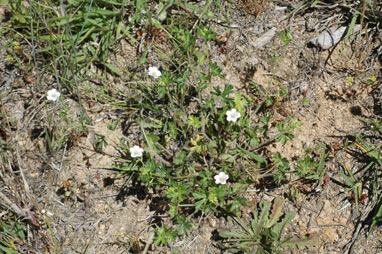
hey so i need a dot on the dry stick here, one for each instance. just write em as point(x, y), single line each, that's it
point(360, 61)
point(349, 246)
point(62, 158)
point(310, 83)
point(190, 243)
point(317, 215)
point(12, 205)
point(20, 162)
point(27, 212)
point(331, 225)
point(149, 242)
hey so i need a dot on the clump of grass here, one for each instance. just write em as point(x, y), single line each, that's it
point(13, 236)
point(70, 36)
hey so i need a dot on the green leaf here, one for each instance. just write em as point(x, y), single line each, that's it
point(264, 213)
point(243, 225)
point(256, 157)
point(371, 151)
point(173, 130)
point(199, 195)
point(152, 139)
point(228, 158)
point(161, 12)
point(276, 212)
point(376, 217)
point(234, 234)
point(312, 240)
point(114, 124)
point(351, 26)
point(113, 68)
point(279, 227)
point(104, 13)
point(202, 57)
point(194, 122)
point(151, 125)
point(321, 164)
point(239, 187)
point(111, 2)
point(20, 231)
point(314, 3)
point(20, 18)
point(347, 179)
point(7, 250)
point(254, 223)
point(240, 103)
point(180, 159)
point(199, 204)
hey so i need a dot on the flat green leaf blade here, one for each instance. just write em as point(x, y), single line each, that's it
point(199, 195)
point(233, 234)
point(279, 227)
point(351, 26)
point(113, 68)
point(276, 212)
point(263, 218)
point(312, 240)
point(110, 2)
point(103, 13)
point(256, 157)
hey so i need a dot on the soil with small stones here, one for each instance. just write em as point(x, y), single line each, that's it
point(105, 213)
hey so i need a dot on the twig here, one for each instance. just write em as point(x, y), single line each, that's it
point(12, 205)
point(62, 158)
point(310, 83)
point(20, 162)
point(190, 243)
point(149, 242)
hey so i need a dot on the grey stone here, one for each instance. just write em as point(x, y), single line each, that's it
point(265, 38)
point(331, 37)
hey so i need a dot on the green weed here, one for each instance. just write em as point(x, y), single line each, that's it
point(264, 233)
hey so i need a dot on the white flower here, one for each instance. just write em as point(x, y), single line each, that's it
point(232, 115)
point(53, 95)
point(136, 151)
point(221, 178)
point(154, 72)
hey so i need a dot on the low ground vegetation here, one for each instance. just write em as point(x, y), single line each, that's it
point(173, 108)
